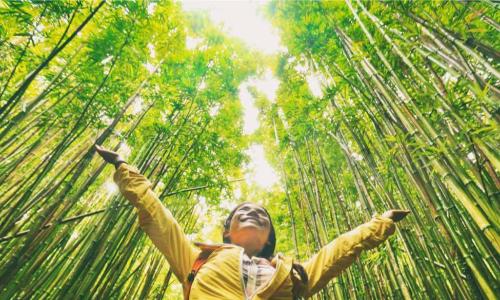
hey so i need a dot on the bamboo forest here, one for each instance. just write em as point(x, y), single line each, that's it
point(377, 105)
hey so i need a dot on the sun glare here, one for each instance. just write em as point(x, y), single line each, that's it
point(260, 171)
point(242, 19)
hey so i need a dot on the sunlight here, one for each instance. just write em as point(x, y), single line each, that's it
point(242, 19)
point(268, 84)
point(315, 85)
point(250, 112)
point(258, 171)
point(261, 172)
point(315, 80)
point(124, 150)
point(110, 187)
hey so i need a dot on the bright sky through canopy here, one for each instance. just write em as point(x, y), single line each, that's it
point(268, 85)
point(244, 20)
point(250, 112)
point(260, 171)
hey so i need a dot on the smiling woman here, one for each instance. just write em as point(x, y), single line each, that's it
point(245, 267)
point(249, 219)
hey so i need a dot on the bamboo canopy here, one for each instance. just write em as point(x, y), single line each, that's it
point(405, 114)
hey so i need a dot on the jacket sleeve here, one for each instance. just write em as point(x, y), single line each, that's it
point(339, 254)
point(157, 221)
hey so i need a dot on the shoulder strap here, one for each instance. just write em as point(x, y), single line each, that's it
point(206, 251)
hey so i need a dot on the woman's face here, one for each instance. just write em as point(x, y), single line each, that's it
point(250, 228)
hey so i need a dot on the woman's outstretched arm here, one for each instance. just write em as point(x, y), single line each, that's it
point(339, 254)
point(154, 218)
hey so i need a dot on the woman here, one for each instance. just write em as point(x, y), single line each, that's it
point(245, 267)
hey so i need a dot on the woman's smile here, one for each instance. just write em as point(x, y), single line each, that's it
point(250, 218)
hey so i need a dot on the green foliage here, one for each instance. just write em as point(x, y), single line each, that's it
point(128, 81)
point(401, 123)
point(408, 117)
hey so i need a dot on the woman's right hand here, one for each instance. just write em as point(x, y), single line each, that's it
point(109, 156)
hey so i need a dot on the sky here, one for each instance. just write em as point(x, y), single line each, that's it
point(244, 19)
point(240, 18)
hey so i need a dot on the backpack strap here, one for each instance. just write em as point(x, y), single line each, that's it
point(206, 251)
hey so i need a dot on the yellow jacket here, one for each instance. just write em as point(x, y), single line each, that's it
point(220, 276)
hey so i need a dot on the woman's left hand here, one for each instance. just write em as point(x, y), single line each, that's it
point(396, 214)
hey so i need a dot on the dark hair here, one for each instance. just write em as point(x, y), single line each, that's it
point(268, 250)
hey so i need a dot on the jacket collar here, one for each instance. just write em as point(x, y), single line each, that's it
point(283, 269)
